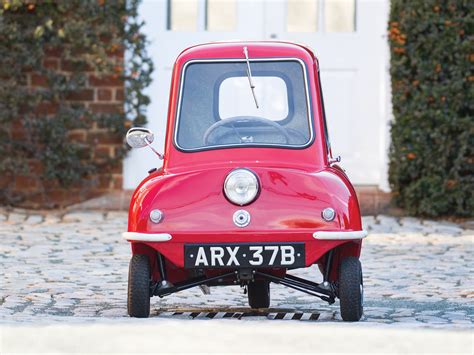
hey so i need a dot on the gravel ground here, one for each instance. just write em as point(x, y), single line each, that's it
point(73, 268)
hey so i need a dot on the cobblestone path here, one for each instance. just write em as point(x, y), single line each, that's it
point(74, 267)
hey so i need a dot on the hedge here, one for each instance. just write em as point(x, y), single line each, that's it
point(431, 168)
point(90, 37)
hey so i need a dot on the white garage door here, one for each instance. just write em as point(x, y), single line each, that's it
point(348, 36)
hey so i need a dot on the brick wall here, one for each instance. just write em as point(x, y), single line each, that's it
point(101, 95)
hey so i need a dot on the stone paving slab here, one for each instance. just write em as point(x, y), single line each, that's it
point(73, 268)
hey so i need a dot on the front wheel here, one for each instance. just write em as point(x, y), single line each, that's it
point(259, 294)
point(138, 303)
point(351, 289)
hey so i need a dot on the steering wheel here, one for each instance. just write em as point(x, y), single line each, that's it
point(244, 122)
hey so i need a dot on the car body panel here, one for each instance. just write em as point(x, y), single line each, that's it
point(289, 199)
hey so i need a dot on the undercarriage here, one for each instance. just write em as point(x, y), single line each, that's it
point(342, 279)
point(326, 290)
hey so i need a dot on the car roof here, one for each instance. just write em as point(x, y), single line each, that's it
point(233, 49)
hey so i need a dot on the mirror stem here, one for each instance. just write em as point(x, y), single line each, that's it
point(161, 156)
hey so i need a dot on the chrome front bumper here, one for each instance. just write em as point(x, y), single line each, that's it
point(320, 235)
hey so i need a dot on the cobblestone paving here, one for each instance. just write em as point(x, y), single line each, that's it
point(74, 268)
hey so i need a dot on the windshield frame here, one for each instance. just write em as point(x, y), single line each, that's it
point(308, 102)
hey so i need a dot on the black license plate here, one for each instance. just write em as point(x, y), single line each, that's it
point(246, 255)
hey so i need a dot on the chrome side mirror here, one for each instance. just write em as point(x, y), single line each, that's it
point(139, 137)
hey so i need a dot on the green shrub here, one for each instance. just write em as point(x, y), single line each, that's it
point(432, 151)
point(38, 122)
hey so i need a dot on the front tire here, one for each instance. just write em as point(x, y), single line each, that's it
point(259, 294)
point(138, 303)
point(351, 290)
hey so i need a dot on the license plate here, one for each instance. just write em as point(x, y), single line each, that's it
point(244, 255)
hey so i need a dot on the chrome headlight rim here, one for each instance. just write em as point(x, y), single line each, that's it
point(226, 189)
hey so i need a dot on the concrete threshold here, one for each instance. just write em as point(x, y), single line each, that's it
point(229, 336)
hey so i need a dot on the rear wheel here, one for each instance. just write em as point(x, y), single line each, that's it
point(138, 303)
point(351, 289)
point(259, 294)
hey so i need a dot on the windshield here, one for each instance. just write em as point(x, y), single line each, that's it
point(217, 107)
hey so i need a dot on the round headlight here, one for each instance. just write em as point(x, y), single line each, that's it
point(241, 186)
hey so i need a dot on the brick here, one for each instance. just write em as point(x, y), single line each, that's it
point(105, 81)
point(104, 138)
point(117, 182)
point(26, 182)
point(67, 65)
point(26, 68)
point(52, 184)
point(51, 63)
point(53, 52)
point(32, 199)
point(104, 95)
point(106, 108)
point(35, 167)
point(17, 124)
point(39, 80)
point(47, 108)
point(64, 197)
point(18, 134)
point(5, 181)
point(372, 200)
point(102, 152)
point(119, 95)
point(77, 135)
point(116, 169)
point(56, 195)
point(17, 130)
point(367, 202)
point(104, 181)
point(81, 95)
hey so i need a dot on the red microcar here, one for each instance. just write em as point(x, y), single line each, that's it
point(249, 190)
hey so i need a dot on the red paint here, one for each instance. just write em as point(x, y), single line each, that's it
point(296, 184)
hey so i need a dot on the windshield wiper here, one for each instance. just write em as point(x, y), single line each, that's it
point(249, 75)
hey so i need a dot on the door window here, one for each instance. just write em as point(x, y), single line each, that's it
point(321, 15)
point(339, 16)
point(302, 16)
point(221, 15)
point(202, 15)
point(182, 15)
